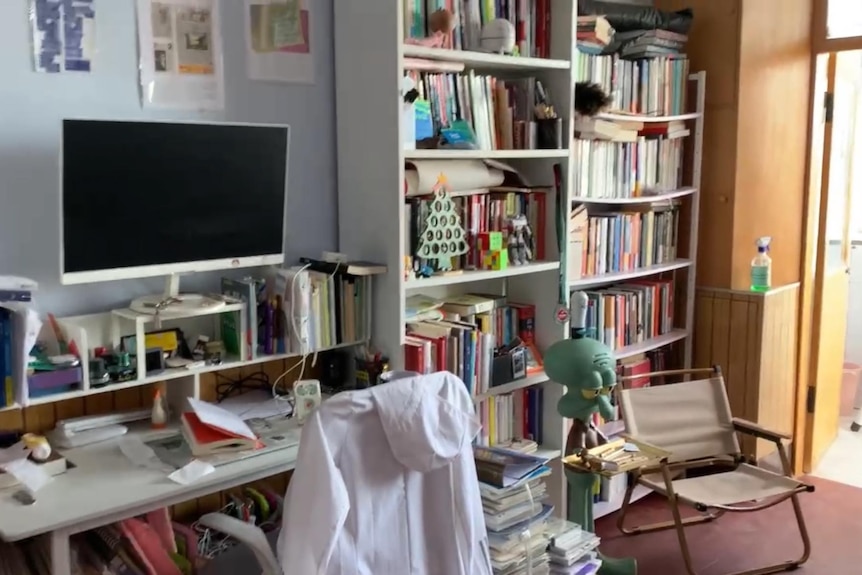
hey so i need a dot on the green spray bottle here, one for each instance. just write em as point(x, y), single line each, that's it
point(761, 266)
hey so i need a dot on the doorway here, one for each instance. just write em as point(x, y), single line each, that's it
point(836, 317)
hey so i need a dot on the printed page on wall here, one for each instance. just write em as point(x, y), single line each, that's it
point(180, 46)
point(278, 41)
point(63, 35)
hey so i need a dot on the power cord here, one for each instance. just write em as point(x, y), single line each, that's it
point(228, 386)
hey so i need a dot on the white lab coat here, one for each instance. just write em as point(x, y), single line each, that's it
point(385, 484)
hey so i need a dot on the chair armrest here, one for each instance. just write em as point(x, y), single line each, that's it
point(247, 534)
point(751, 428)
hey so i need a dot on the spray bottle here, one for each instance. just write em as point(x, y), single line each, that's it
point(761, 266)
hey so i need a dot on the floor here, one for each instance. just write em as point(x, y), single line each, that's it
point(744, 541)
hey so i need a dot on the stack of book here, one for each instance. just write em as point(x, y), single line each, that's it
point(460, 334)
point(572, 551)
point(594, 34)
point(639, 44)
point(513, 494)
point(531, 19)
point(619, 241)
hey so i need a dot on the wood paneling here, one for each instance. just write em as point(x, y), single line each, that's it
point(752, 337)
point(41, 418)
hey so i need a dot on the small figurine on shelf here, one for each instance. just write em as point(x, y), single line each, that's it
point(440, 25)
point(443, 237)
point(520, 241)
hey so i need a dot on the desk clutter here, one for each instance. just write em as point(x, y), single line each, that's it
point(484, 339)
point(523, 537)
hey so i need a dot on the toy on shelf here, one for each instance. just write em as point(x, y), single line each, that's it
point(494, 256)
point(520, 241)
point(498, 37)
point(443, 236)
point(440, 25)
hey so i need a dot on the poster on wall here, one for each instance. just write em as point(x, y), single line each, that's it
point(278, 41)
point(63, 35)
point(180, 47)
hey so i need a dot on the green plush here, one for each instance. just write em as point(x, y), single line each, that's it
point(587, 369)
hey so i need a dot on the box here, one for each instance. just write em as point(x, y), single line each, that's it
point(491, 241)
point(42, 383)
point(498, 260)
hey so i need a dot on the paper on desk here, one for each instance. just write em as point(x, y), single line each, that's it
point(191, 472)
point(13, 461)
point(141, 454)
point(219, 418)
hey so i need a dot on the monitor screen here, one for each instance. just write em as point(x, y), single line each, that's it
point(141, 199)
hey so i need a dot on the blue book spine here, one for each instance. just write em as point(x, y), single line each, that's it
point(6, 390)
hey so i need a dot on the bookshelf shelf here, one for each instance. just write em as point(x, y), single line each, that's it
point(485, 154)
point(651, 344)
point(485, 60)
point(528, 381)
point(480, 275)
point(615, 277)
point(649, 119)
point(649, 199)
point(375, 221)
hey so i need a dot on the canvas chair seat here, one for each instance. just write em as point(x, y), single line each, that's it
point(744, 484)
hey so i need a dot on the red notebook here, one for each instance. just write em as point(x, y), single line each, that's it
point(206, 439)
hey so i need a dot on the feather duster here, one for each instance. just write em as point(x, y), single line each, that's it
point(590, 99)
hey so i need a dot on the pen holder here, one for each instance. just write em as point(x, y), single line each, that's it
point(549, 134)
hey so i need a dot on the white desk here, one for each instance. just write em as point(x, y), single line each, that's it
point(105, 487)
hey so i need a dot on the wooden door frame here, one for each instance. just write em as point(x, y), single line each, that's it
point(820, 42)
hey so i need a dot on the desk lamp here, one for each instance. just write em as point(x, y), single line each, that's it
point(586, 367)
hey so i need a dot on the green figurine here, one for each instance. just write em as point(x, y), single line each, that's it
point(587, 369)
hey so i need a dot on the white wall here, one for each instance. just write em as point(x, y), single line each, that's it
point(853, 347)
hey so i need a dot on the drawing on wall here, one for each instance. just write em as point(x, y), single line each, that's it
point(63, 35)
point(180, 47)
point(278, 41)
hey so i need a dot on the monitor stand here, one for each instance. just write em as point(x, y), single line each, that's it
point(173, 302)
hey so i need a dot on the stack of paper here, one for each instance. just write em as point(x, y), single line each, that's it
point(516, 515)
point(572, 550)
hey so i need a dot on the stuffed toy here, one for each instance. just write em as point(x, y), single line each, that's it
point(440, 24)
point(590, 99)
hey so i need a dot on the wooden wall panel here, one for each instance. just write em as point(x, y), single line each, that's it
point(41, 418)
point(772, 136)
point(752, 337)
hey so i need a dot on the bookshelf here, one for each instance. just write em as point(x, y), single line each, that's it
point(369, 67)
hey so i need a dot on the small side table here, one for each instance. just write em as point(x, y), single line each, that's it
point(606, 460)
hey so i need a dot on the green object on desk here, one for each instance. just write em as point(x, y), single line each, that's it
point(587, 369)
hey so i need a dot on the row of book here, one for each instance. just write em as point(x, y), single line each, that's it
point(631, 313)
point(460, 334)
point(511, 418)
point(308, 307)
point(479, 214)
point(650, 87)
point(531, 19)
point(628, 159)
point(620, 241)
point(500, 112)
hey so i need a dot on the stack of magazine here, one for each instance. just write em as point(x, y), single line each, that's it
point(516, 515)
point(572, 551)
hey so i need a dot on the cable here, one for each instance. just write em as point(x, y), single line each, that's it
point(289, 396)
point(227, 387)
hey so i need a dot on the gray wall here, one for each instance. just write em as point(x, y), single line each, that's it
point(32, 105)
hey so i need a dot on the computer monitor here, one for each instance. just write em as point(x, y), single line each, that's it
point(152, 198)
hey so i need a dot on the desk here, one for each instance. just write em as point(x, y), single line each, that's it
point(105, 487)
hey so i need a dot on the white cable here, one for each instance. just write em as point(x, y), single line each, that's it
point(293, 324)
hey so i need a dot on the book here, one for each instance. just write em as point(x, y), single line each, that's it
point(357, 268)
point(251, 292)
point(503, 467)
point(210, 429)
point(55, 465)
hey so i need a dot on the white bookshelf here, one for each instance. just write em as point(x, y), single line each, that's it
point(369, 65)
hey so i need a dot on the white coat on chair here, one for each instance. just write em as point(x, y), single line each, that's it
point(385, 483)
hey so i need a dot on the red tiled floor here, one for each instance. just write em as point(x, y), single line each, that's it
point(744, 541)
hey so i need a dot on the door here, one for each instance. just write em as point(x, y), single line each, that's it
point(832, 252)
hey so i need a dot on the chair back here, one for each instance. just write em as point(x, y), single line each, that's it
point(692, 420)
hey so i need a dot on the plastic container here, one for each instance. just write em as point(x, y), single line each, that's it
point(761, 267)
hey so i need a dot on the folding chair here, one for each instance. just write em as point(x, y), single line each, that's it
point(692, 420)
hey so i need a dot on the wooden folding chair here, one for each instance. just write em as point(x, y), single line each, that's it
point(692, 420)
